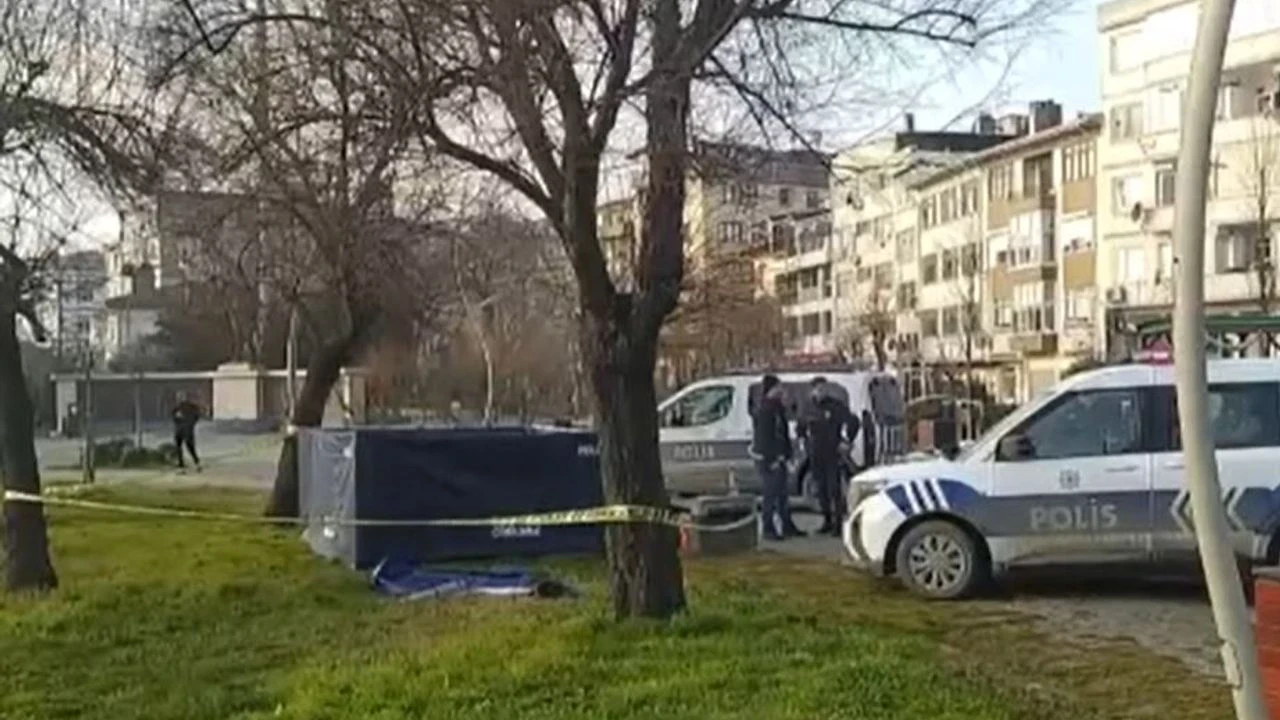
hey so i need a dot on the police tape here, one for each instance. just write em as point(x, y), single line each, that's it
point(607, 514)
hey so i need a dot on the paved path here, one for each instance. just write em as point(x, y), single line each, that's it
point(1167, 616)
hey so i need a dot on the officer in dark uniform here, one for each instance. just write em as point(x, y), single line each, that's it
point(771, 450)
point(829, 430)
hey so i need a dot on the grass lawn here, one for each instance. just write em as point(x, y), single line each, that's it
point(162, 619)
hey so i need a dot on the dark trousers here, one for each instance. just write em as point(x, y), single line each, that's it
point(186, 437)
point(777, 504)
point(826, 479)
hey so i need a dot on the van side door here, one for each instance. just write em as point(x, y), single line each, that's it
point(1072, 483)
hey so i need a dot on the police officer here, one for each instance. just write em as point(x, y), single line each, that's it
point(829, 431)
point(771, 450)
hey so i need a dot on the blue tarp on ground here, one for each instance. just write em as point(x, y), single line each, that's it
point(407, 581)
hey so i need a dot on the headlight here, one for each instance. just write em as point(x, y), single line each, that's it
point(860, 490)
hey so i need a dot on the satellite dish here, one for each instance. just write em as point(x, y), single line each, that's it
point(1135, 214)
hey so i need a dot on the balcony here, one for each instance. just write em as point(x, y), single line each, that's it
point(1034, 331)
point(1034, 202)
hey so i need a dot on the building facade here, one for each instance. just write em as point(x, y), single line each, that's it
point(80, 282)
point(1145, 48)
point(974, 259)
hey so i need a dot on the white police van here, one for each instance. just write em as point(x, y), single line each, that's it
point(1090, 472)
point(705, 428)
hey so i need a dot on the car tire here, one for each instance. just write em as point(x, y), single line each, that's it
point(938, 560)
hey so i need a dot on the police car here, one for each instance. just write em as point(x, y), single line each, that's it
point(1089, 472)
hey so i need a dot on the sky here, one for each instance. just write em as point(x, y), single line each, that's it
point(1061, 64)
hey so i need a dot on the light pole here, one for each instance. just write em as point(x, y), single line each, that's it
point(1230, 613)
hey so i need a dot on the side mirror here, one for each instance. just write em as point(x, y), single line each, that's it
point(1015, 447)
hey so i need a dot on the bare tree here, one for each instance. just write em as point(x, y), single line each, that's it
point(298, 123)
point(70, 124)
point(722, 321)
point(532, 92)
point(1260, 179)
point(873, 318)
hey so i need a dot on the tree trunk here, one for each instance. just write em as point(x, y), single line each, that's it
point(27, 565)
point(323, 371)
point(646, 579)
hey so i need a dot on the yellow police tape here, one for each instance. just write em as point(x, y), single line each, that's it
point(584, 516)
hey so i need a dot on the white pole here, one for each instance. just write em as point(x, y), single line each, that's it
point(1226, 595)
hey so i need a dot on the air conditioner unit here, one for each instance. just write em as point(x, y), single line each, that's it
point(1117, 295)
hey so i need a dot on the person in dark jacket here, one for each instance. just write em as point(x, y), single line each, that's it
point(829, 431)
point(185, 416)
point(771, 450)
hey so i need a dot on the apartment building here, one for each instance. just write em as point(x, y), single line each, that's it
point(1007, 251)
point(880, 271)
point(1145, 46)
point(617, 225)
point(798, 268)
point(740, 201)
point(79, 291)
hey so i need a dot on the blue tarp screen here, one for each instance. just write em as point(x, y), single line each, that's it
point(476, 473)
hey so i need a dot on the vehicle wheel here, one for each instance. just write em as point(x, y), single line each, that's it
point(938, 560)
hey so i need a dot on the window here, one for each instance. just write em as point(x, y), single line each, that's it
point(810, 324)
point(969, 198)
point(1126, 121)
point(826, 321)
point(950, 265)
point(1126, 191)
point(1242, 415)
point(1000, 182)
point(971, 259)
point(1078, 162)
point(929, 269)
point(1132, 264)
point(813, 199)
point(1126, 51)
point(1234, 248)
point(907, 296)
point(1083, 424)
point(699, 407)
point(1002, 313)
point(1229, 100)
point(1080, 306)
point(929, 323)
point(1166, 173)
point(951, 321)
point(1165, 112)
point(947, 206)
point(784, 196)
point(1037, 175)
point(1164, 263)
point(929, 211)
point(905, 242)
point(731, 233)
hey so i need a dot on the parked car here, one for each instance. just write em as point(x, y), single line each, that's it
point(1090, 472)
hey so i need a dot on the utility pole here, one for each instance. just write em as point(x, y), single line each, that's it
point(86, 419)
point(1230, 613)
point(291, 363)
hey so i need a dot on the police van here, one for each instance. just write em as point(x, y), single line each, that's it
point(1089, 472)
point(705, 427)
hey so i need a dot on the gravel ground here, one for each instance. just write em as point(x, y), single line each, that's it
point(1168, 616)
